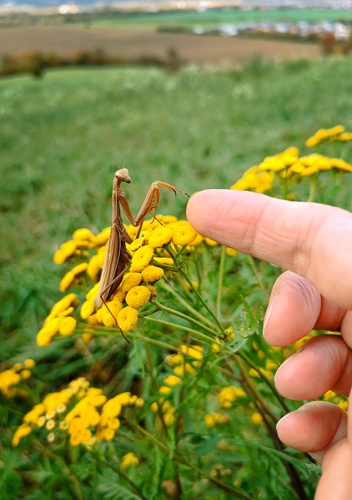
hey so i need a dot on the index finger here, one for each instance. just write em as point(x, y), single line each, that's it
point(310, 239)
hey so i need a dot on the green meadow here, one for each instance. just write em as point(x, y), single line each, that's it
point(62, 137)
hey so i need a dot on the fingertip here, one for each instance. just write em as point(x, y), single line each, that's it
point(206, 212)
point(313, 427)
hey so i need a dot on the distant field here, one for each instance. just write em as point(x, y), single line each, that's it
point(137, 42)
point(215, 16)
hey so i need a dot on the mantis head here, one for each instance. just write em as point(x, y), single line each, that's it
point(122, 175)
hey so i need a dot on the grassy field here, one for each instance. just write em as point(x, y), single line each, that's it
point(63, 136)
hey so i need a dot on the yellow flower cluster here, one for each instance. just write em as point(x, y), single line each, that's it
point(213, 418)
point(257, 418)
point(59, 320)
point(11, 377)
point(268, 371)
point(129, 460)
point(332, 397)
point(254, 179)
point(228, 395)
point(187, 360)
point(151, 252)
point(81, 412)
point(260, 178)
point(336, 133)
point(82, 239)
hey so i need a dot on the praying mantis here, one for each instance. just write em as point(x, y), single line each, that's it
point(118, 258)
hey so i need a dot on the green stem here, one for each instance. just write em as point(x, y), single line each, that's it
point(259, 398)
point(201, 336)
point(186, 305)
point(253, 266)
point(220, 281)
point(174, 312)
point(178, 457)
point(312, 190)
point(184, 273)
point(149, 340)
point(265, 379)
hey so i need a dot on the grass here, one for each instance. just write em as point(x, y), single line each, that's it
point(63, 137)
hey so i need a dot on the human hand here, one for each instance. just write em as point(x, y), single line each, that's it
point(314, 243)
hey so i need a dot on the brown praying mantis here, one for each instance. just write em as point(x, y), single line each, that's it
point(118, 258)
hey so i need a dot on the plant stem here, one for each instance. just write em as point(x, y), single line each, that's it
point(184, 272)
point(253, 266)
point(220, 281)
point(254, 391)
point(265, 379)
point(187, 306)
point(200, 335)
point(179, 314)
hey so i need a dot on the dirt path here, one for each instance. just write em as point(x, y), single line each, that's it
point(136, 43)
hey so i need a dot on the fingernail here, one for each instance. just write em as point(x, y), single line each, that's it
point(269, 311)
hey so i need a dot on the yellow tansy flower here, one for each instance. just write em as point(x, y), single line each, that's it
point(22, 431)
point(87, 309)
point(128, 460)
point(152, 273)
point(138, 296)
point(184, 234)
point(210, 242)
point(25, 374)
point(154, 407)
point(67, 325)
point(32, 416)
point(93, 292)
point(29, 363)
point(94, 267)
point(164, 261)
point(257, 418)
point(63, 304)
point(141, 258)
point(136, 244)
point(192, 351)
point(110, 311)
point(169, 417)
point(83, 234)
point(103, 237)
point(112, 408)
point(214, 418)
point(172, 380)
point(323, 135)
point(228, 395)
point(127, 318)
point(231, 252)
point(344, 137)
point(66, 281)
point(165, 390)
point(130, 280)
point(160, 237)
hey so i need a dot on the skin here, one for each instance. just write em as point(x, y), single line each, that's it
point(313, 243)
